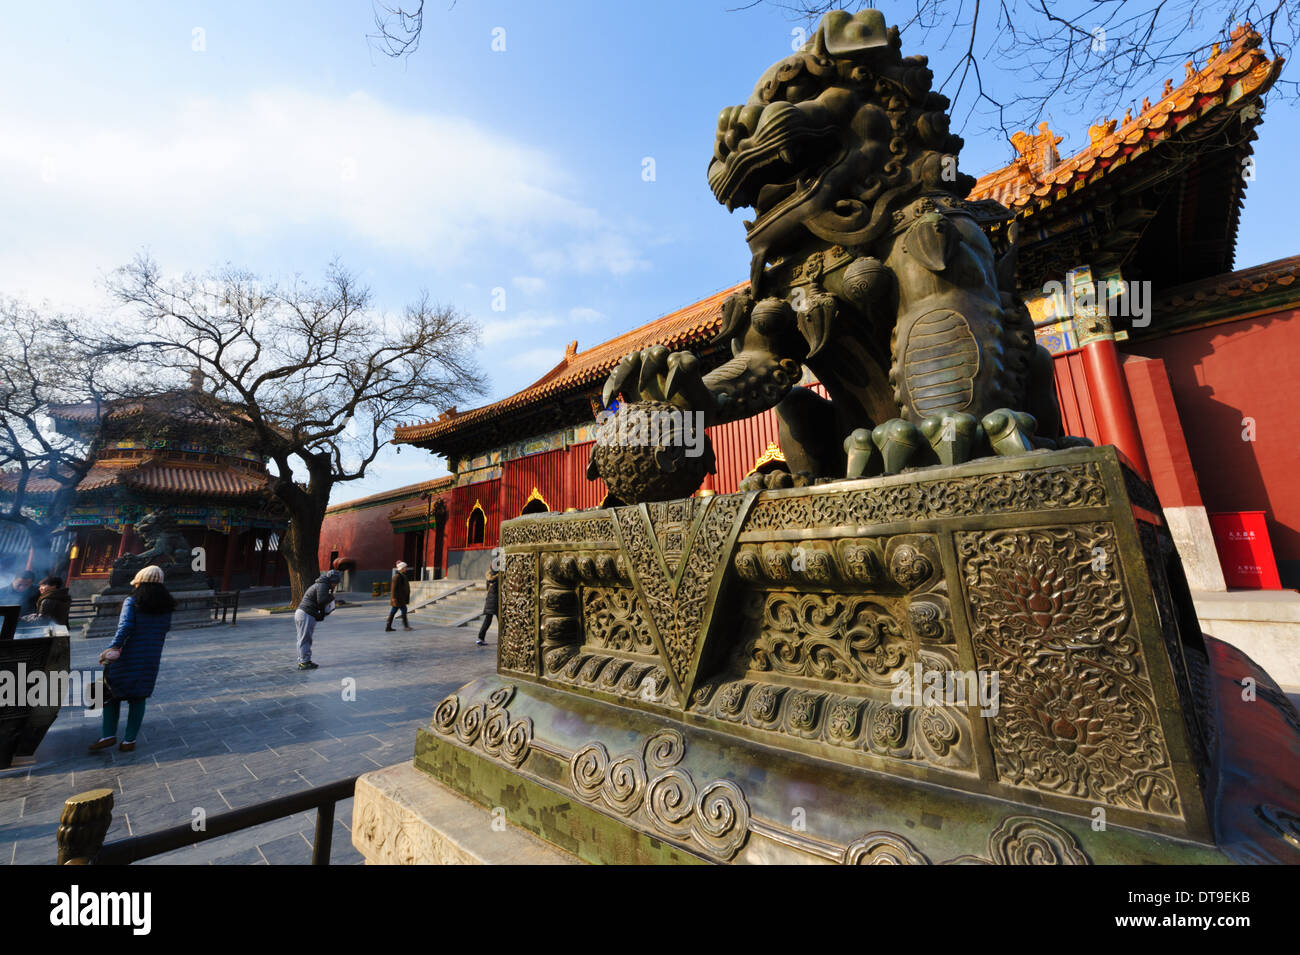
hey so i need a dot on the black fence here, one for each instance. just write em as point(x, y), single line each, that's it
point(223, 602)
point(81, 609)
point(321, 798)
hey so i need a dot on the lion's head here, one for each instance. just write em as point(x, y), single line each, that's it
point(834, 139)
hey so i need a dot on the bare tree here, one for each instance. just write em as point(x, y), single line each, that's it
point(39, 466)
point(398, 29)
point(1083, 58)
point(315, 374)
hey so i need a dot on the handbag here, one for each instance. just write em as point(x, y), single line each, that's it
point(111, 655)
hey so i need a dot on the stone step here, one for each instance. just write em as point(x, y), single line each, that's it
point(1265, 624)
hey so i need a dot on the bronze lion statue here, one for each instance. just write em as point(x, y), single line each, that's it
point(870, 268)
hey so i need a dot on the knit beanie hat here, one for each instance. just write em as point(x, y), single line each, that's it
point(153, 574)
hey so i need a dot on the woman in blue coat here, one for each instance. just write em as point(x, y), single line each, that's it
point(131, 673)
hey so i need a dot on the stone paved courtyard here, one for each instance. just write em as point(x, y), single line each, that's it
point(234, 722)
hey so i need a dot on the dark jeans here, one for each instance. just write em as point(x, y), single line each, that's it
point(134, 717)
point(392, 612)
point(487, 622)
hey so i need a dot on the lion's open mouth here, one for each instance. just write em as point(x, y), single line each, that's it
point(775, 168)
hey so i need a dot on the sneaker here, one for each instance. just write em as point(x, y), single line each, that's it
point(127, 746)
point(390, 629)
point(408, 628)
point(308, 665)
point(104, 743)
point(481, 643)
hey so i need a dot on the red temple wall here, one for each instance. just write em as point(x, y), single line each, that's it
point(364, 535)
point(1220, 376)
point(487, 494)
point(736, 446)
point(547, 471)
point(584, 493)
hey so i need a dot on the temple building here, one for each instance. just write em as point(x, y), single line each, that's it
point(1126, 261)
point(174, 451)
point(375, 532)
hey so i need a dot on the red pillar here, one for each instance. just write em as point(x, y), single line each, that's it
point(1107, 387)
point(127, 544)
point(77, 557)
point(232, 547)
point(1172, 473)
point(261, 560)
point(1112, 403)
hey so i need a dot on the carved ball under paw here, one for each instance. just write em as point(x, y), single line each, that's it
point(651, 451)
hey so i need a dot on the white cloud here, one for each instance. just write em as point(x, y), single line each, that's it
point(529, 284)
point(529, 323)
point(213, 176)
point(524, 325)
point(609, 252)
point(530, 364)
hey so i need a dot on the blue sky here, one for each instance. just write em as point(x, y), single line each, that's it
point(285, 140)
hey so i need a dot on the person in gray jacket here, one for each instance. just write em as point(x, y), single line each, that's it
point(316, 603)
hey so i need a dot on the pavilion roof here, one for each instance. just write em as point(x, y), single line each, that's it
point(38, 486)
point(180, 477)
point(691, 325)
point(1038, 177)
point(398, 494)
point(1258, 290)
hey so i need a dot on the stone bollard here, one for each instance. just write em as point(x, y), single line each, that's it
point(83, 825)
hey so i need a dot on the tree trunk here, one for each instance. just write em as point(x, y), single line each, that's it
point(301, 549)
point(301, 546)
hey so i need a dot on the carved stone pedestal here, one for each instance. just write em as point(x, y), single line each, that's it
point(805, 675)
point(401, 817)
point(193, 610)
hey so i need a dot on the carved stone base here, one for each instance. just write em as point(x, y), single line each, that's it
point(779, 676)
point(193, 610)
point(401, 817)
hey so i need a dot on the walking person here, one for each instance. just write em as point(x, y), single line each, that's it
point(54, 601)
point(316, 604)
point(131, 660)
point(490, 603)
point(399, 596)
point(21, 593)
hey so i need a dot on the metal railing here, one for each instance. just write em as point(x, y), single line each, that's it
point(81, 608)
point(224, 601)
point(87, 816)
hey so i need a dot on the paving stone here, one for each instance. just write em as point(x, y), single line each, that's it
point(249, 856)
point(261, 790)
point(10, 811)
point(158, 817)
point(293, 849)
point(222, 764)
point(36, 852)
point(231, 715)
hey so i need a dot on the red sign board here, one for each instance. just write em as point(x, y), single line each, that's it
point(1245, 552)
